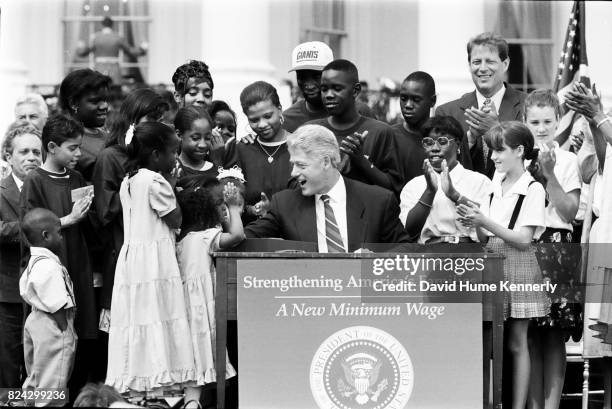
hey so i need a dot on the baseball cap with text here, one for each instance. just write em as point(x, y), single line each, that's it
point(313, 55)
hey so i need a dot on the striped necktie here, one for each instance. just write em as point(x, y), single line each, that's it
point(487, 107)
point(332, 232)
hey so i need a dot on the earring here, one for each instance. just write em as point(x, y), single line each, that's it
point(282, 119)
point(458, 151)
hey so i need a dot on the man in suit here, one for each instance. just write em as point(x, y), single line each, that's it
point(492, 101)
point(337, 213)
point(22, 149)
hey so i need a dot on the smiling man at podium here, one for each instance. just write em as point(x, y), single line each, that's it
point(337, 213)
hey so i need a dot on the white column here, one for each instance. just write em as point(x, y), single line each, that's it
point(444, 29)
point(236, 46)
point(13, 71)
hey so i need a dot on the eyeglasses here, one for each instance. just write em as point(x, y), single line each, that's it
point(429, 142)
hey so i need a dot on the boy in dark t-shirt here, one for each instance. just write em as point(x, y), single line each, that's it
point(368, 146)
point(308, 60)
point(417, 97)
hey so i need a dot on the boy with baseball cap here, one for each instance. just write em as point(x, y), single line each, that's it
point(308, 60)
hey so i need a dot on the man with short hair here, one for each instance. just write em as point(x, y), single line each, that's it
point(337, 213)
point(417, 97)
point(31, 108)
point(492, 101)
point(308, 60)
point(22, 149)
point(368, 146)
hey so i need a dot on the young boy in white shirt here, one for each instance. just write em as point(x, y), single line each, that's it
point(49, 337)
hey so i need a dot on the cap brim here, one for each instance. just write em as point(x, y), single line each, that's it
point(307, 67)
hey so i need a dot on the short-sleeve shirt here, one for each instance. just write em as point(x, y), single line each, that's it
point(501, 206)
point(161, 196)
point(568, 175)
point(442, 218)
point(45, 284)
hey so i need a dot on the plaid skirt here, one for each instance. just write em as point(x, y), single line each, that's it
point(521, 267)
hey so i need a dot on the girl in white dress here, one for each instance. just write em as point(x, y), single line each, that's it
point(149, 337)
point(205, 210)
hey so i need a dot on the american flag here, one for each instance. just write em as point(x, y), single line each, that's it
point(573, 66)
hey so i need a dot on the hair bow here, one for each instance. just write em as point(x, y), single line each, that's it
point(129, 135)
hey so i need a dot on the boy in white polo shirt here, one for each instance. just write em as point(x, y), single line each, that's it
point(49, 337)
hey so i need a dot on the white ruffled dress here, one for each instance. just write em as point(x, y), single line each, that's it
point(199, 276)
point(150, 346)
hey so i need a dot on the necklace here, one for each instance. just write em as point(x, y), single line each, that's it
point(270, 156)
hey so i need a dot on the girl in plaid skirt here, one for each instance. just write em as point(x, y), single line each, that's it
point(509, 221)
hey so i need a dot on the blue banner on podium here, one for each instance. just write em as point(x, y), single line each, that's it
point(306, 340)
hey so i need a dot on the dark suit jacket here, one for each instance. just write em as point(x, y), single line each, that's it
point(511, 109)
point(372, 216)
point(10, 241)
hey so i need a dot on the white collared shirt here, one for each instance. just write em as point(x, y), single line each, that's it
point(18, 181)
point(496, 99)
point(442, 218)
point(337, 200)
point(45, 283)
point(532, 211)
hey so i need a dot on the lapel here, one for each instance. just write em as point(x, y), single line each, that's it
point(306, 219)
point(510, 108)
point(468, 100)
point(10, 193)
point(355, 212)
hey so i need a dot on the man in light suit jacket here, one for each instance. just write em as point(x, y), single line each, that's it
point(337, 213)
point(492, 101)
point(22, 148)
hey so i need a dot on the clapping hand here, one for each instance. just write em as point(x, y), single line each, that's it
point(480, 121)
point(447, 184)
point(546, 161)
point(352, 144)
point(583, 101)
point(470, 215)
point(431, 177)
point(576, 141)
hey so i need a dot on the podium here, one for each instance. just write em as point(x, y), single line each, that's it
point(229, 263)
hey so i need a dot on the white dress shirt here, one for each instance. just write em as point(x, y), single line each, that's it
point(337, 200)
point(532, 211)
point(18, 181)
point(496, 99)
point(442, 218)
point(45, 283)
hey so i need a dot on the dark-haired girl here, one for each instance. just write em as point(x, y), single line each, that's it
point(224, 120)
point(142, 105)
point(211, 221)
point(512, 218)
point(149, 337)
point(193, 84)
point(265, 163)
point(84, 95)
point(194, 126)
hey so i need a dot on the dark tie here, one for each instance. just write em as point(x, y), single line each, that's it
point(332, 232)
point(487, 107)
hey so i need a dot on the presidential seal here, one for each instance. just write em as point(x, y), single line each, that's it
point(361, 367)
